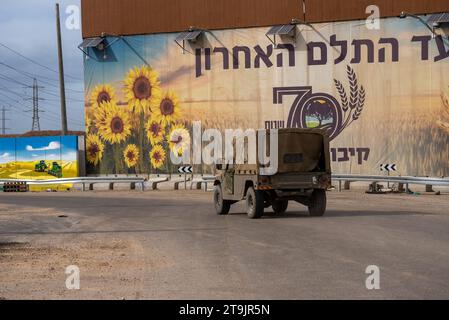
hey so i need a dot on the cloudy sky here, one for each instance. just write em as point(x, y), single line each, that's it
point(28, 27)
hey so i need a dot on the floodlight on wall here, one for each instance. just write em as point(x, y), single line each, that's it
point(439, 20)
point(101, 44)
point(97, 43)
point(404, 15)
point(192, 35)
point(284, 30)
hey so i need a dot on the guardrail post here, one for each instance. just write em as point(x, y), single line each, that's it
point(111, 186)
point(407, 189)
point(339, 186)
point(347, 185)
point(133, 186)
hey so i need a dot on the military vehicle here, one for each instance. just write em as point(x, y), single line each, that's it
point(303, 175)
point(41, 166)
point(56, 170)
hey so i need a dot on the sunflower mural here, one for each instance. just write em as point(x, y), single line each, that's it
point(131, 155)
point(155, 131)
point(102, 93)
point(116, 127)
point(157, 156)
point(142, 89)
point(94, 149)
point(132, 128)
point(179, 139)
point(168, 110)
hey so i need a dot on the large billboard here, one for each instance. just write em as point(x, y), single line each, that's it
point(382, 95)
point(39, 158)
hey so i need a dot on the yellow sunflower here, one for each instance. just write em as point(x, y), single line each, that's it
point(168, 110)
point(131, 155)
point(94, 149)
point(157, 156)
point(87, 119)
point(155, 131)
point(116, 127)
point(179, 139)
point(102, 93)
point(142, 89)
point(99, 115)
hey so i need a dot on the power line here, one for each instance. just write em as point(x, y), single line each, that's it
point(35, 62)
point(11, 79)
point(23, 84)
point(6, 96)
point(57, 95)
point(3, 88)
point(35, 76)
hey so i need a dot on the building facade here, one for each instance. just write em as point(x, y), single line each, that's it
point(380, 90)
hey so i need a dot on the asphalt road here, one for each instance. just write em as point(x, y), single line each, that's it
point(170, 245)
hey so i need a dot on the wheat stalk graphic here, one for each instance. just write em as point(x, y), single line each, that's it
point(444, 122)
point(352, 107)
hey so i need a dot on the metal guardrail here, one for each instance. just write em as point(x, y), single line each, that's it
point(401, 181)
point(80, 180)
point(404, 180)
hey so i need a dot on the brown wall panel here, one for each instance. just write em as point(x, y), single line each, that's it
point(339, 10)
point(154, 16)
point(128, 17)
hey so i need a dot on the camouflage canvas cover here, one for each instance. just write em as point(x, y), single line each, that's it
point(301, 150)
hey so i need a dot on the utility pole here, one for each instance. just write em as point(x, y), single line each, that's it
point(36, 126)
point(4, 110)
point(61, 75)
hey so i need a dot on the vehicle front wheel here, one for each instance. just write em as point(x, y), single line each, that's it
point(317, 206)
point(255, 204)
point(280, 206)
point(222, 207)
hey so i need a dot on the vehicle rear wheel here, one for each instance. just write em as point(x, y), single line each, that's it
point(222, 207)
point(317, 206)
point(280, 206)
point(255, 204)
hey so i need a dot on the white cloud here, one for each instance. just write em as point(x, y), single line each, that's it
point(54, 145)
point(53, 157)
point(5, 155)
point(70, 156)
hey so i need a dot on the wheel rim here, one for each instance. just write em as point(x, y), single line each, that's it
point(250, 201)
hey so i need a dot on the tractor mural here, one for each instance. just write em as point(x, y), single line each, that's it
point(56, 170)
point(41, 166)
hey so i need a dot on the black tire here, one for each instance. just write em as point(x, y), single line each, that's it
point(255, 204)
point(222, 207)
point(317, 206)
point(280, 206)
